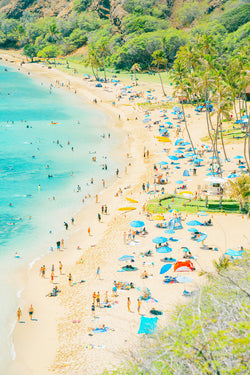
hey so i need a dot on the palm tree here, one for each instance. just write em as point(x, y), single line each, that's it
point(240, 190)
point(178, 75)
point(136, 68)
point(53, 33)
point(159, 61)
point(92, 60)
point(104, 51)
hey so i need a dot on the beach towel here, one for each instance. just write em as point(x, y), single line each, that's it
point(147, 325)
point(100, 330)
point(165, 268)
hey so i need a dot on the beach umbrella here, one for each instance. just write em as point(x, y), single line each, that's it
point(179, 182)
point(178, 151)
point(137, 224)
point(185, 249)
point(184, 279)
point(164, 249)
point(202, 213)
point(179, 140)
point(189, 155)
point(169, 231)
point(232, 175)
point(158, 217)
point(126, 258)
point(198, 160)
point(160, 240)
point(238, 157)
point(216, 180)
point(176, 109)
point(173, 210)
point(194, 222)
point(193, 230)
point(242, 166)
point(173, 157)
point(146, 120)
point(165, 268)
point(162, 163)
point(169, 123)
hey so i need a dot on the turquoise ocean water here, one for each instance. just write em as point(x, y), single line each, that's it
point(31, 148)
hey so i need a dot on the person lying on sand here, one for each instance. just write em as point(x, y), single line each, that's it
point(144, 275)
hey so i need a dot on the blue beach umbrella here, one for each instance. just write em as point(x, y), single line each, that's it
point(202, 213)
point(160, 240)
point(137, 224)
point(126, 258)
point(164, 249)
point(189, 155)
point(173, 157)
point(194, 222)
point(169, 231)
point(238, 157)
point(179, 140)
point(173, 210)
point(146, 120)
point(165, 268)
point(169, 123)
point(232, 175)
point(162, 163)
point(242, 166)
point(198, 160)
point(185, 249)
point(179, 182)
point(178, 152)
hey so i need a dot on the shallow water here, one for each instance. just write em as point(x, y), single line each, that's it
point(31, 148)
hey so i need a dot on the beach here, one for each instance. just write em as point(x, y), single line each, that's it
point(61, 341)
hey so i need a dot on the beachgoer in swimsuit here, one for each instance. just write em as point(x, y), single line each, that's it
point(128, 304)
point(31, 312)
point(138, 305)
point(19, 313)
point(70, 279)
point(60, 267)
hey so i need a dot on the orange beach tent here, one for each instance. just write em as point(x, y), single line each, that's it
point(183, 266)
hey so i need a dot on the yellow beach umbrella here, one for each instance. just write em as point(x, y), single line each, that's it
point(158, 217)
point(163, 139)
point(187, 194)
point(126, 208)
point(131, 200)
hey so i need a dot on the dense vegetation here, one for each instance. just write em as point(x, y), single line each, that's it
point(208, 336)
point(145, 26)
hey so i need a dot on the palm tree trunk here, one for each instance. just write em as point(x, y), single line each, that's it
point(235, 111)
point(185, 122)
point(222, 139)
point(104, 69)
point(216, 153)
point(162, 84)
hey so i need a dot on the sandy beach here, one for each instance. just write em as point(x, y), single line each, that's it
point(60, 339)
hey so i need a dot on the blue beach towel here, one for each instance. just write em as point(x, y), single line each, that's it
point(148, 325)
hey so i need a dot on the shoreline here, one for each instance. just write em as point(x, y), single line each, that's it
point(37, 71)
point(64, 348)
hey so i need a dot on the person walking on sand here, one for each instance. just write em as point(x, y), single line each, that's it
point(31, 312)
point(98, 273)
point(72, 220)
point(129, 304)
point(70, 279)
point(66, 225)
point(105, 209)
point(94, 297)
point(99, 217)
point(62, 243)
point(93, 310)
point(19, 313)
point(60, 267)
point(98, 300)
point(89, 231)
point(138, 306)
point(52, 277)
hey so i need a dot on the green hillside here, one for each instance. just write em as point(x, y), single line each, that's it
point(128, 31)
